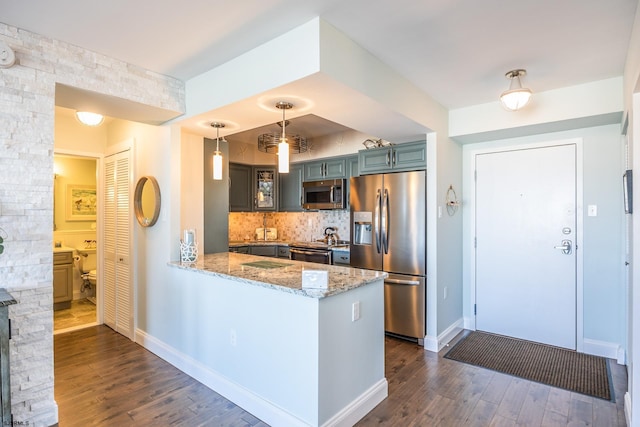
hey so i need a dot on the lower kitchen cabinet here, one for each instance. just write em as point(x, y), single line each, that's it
point(239, 249)
point(283, 252)
point(271, 250)
point(341, 257)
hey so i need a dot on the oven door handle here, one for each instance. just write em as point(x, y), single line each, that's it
point(298, 251)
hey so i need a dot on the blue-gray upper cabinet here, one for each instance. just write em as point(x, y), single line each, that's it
point(240, 187)
point(403, 157)
point(352, 166)
point(290, 189)
point(265, 188)
point(325, 169)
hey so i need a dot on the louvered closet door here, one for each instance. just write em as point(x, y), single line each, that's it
point(118, 295)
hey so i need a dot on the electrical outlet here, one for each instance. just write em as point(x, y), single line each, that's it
point(355, 311)
point(233, 337)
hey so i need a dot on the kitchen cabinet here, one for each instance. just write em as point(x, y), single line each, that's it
point(409, 156)
point(352, 166)
point(283, 252)
point(239, 249)
point(62, 279)
point(352, 170)
point(290, 189)
point(252, 188)
point(265, 188)
point(325, 169)
point(341, 257)
point(240, 185)
point(264, 250)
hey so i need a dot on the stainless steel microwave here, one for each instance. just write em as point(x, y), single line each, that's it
point(325, 194)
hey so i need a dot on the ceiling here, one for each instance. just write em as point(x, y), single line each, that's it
point(457, 51)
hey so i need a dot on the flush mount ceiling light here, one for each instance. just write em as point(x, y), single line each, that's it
point(89, 119)
point(516, 97)
point(281, 144)
point(217, 155)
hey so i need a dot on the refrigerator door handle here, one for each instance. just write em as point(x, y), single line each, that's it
point(376, 221)
point(385, 220)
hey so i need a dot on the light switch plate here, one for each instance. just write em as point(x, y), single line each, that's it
point(592, 210)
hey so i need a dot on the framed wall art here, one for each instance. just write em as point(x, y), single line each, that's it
point(81, 203)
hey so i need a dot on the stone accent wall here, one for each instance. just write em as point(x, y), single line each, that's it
point(27, 99)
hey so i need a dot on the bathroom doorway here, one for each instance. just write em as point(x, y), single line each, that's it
point(76, 207)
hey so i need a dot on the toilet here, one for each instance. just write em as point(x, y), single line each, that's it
point(86, 262)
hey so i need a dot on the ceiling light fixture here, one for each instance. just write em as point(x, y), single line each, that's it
point(217, 155)
point(516, 97)
point(282, 145)
point(89, 119)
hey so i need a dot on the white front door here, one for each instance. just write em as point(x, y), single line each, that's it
point(525, 216)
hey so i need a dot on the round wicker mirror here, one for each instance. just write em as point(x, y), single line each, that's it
point(146, 201)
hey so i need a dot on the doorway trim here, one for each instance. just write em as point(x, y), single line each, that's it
point(99, 158)
point(469, 160)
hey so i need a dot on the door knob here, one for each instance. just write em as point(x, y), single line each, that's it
point(565, 247)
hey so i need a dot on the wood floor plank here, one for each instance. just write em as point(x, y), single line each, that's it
point(554, 419)
point(559, 401)
point(513, 399)
point(533, 407)
point(104, 379)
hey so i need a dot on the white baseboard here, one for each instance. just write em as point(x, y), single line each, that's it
point(436, 344)
point(627, 408)
point(604, 349)
point(360, 407)
point(249, 401)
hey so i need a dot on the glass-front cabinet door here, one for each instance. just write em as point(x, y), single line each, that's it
point(265, 187)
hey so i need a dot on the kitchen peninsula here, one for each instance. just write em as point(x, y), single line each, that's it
point(287, 354)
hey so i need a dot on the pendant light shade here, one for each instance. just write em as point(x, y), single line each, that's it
point(516, 97)
point(283, 156)
point(283, 146)
point(217, 155)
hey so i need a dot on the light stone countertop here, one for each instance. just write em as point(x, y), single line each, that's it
point(286, 278)
point(236, 243)
point(239, 243)
point(62, 249)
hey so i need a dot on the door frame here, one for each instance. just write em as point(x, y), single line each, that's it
point(99, 158)
point(469, 161)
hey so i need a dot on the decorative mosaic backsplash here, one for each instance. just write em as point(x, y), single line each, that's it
point(291, 226)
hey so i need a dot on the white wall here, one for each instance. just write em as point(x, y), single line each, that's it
point(151, 248)
point(602, 247)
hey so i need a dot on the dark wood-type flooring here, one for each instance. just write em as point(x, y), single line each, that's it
point(104, 379)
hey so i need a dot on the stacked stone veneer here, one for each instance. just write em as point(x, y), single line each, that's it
point(27, 100)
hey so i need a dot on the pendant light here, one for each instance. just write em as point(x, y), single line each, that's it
point(217, 155)
point(283, 146)
point(516, 97)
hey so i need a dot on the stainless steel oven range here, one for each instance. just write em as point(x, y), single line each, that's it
point(319, 252)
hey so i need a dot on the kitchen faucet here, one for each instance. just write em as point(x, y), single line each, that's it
point(264, 225)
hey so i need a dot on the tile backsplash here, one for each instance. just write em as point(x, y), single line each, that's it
point(291, 226)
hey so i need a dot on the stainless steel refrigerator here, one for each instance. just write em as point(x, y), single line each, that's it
point(388, 233)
